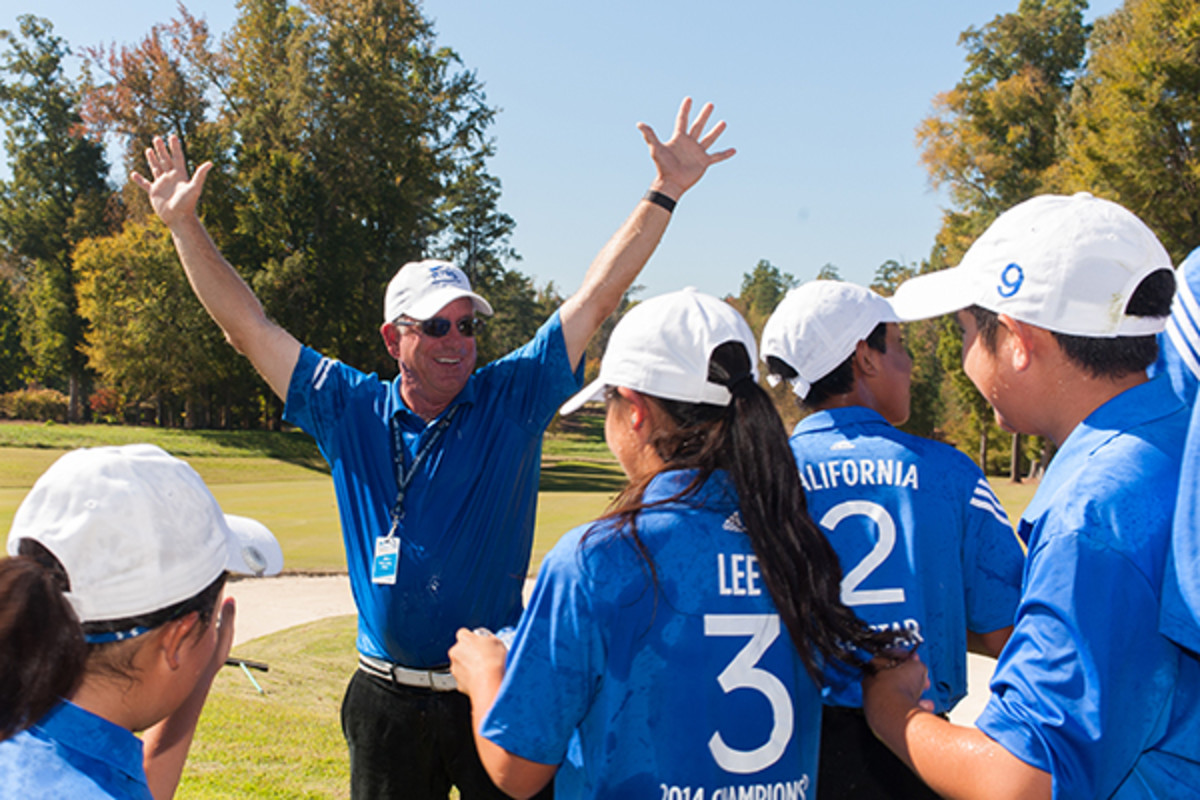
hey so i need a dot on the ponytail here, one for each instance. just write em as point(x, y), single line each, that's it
point(799, 566)
point(42, 650)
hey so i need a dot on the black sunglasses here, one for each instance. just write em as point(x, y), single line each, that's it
point(437, 327)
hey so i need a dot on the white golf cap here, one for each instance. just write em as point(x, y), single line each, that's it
point(818, 325)
point(662, 346)
point(420, 289)
point(1066, 264)
point(137, 531)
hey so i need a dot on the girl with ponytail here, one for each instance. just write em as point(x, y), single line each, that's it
point(109, 607)
point(674, 647)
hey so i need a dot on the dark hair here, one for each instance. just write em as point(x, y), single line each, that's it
point(43, 653)
point(838, 381)
point(1105, 357)
point(747, 439)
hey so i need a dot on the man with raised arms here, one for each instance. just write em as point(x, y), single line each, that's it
point(436, 473)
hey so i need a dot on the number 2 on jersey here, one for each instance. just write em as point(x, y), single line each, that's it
point(851, 594)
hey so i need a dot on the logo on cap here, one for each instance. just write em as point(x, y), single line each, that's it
point(1010, 280)
point(440, 274)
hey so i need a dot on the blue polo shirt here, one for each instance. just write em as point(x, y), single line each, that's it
point(467, 529)
point(676, 682)
point(73, 753)
point(1179, 344)
point(1087, 689)
point(926, 549)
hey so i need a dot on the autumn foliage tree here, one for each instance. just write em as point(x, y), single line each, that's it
point(1133, 132)
point(56, 197)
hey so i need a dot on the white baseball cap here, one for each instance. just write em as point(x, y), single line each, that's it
point(1066, 264)
point(137, 531)
point(818, 325)
point(662, 346)
point(420, 289)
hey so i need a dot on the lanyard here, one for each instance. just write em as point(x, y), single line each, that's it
point(405, 476)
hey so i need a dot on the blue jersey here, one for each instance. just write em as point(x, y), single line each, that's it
point(73, 753)
point(676, 683)
point(1179, 344)
point(926, 549)
point(1087, 689)
point(468, 511)
point(1180, 616)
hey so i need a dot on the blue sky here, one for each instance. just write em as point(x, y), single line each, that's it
point(822, 100)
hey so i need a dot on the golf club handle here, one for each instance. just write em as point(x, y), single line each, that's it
point(241, 662)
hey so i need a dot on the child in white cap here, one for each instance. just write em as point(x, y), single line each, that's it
point(111, 622)
point(1060, 301)
point(672, 647)
point(927, 550)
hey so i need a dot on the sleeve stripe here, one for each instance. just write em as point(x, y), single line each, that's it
point(1182, 328)
point(999, 514)
point(986, 500)
point(321, 373)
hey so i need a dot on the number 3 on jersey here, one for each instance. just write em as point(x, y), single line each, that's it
point(742, 673)
point(886, 541)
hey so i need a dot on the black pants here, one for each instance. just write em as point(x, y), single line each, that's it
point(855, 764)
point(407, 742)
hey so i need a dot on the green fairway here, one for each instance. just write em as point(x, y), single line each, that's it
point(272, 478)
point(279, 478)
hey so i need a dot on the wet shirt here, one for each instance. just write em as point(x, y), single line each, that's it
point(927, 551)
point(467, 528)
point(681, 685)
point(1087, 688)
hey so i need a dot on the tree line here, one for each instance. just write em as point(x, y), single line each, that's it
point(347, 140)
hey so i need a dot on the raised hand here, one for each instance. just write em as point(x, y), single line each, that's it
point(683, 159)
point(173, 195)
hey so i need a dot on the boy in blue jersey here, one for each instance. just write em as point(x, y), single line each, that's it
point(927, 550)
point(1060, 301)
point(436, 472)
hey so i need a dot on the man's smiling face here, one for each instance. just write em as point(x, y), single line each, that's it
point(433, 370)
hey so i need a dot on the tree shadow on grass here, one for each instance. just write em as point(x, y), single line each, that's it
point(581, 476)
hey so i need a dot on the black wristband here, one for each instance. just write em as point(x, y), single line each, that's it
point(660, 199)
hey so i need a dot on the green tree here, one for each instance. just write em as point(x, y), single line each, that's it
point(14, 361)
point(889, 275)
point(353, 125)
point(56, 197)
point(994, 136)
point(1134, 121)
point(762, 289)
point(828, 272)
point(153, 343)
point(476, 238)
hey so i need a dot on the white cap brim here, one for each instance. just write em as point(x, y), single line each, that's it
point(252, 548)
point(935, 294)
point(593, 391)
